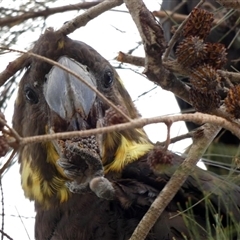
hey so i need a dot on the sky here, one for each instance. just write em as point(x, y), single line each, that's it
point(108, 34)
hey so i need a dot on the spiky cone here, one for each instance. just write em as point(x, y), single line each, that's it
point(159, 158)
point(89, 143)
point(191, 51)
point(232, 101)
point(204, 78)
point(199, 23)
point(217, 55)
point(204, 101)
point(112, 117)
point(230, 4)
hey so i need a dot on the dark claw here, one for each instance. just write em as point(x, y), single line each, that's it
point(73, 171)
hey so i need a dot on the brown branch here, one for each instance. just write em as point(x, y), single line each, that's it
point(177, 17)
point(23, 223)
point(173, 185)
point(154, 45)
point(54, 63)
point(7, 163)
point(234, 77)
point(11, 131)
point(128, 58)
point(3, 208)
point(66, 29)
point(11, 21)
point(87, 16)
point(171, 65)
point(198, 118)
point(178, 138)
point(168, 140)
point(12, 68)
point(5, 235)
point(174, 10)
point(235, 4)
point(174, 67)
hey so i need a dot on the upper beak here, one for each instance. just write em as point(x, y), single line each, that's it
point(65, 94)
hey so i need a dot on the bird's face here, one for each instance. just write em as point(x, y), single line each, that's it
point(50, 90)
point(53, 100)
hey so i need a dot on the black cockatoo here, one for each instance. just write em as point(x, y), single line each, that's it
point(226, 34)
point(100, 187)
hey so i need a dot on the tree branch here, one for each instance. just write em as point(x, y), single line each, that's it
point(87, 16)
point(154, 45)
point(177, 17)
point(66, 29)
point(171, 65)
point(198, 118)
point(16, 20)
point(54, 63)
point(178, 178)
point(128, 58)
point(12, 68)
point(230, 4)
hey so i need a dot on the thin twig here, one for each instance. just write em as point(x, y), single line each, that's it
point(155, 44)
point(230, 4)
point(181, 17)
point(16, 20)
point(198, 118)
point(168, 140)
point(128, 58)
point(234, 77)
point(75, 75)
point(171, 65)
point(23, 224)
point(13, 133)
point(6, 235)
point(169, 14)
point(178, 138)
point(87, 16)
point(12, 68)
point(7, 163)
point(17, 216)
point(67, 28)
point(3, 213)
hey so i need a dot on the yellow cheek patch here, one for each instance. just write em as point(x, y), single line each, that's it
point(52, 157)
point(31, 181)
point(128, 152)
point(61, 44)
point(39, 189)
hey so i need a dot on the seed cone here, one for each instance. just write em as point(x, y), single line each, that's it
point(191, 51)
point(199, 23)
point(232, 101)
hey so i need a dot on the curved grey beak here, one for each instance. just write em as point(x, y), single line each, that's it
point(67, 95)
